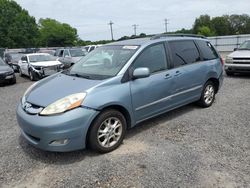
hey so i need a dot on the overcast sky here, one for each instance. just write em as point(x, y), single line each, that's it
point(91, 17)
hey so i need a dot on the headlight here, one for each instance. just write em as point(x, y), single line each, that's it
point(229, 59)
point(67, 103)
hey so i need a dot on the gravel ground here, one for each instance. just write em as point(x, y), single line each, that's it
point(188, 147)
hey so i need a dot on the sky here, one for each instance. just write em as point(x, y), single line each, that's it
point(91, 17)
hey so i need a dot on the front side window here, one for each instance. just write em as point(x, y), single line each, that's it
point(184, 52)
point(1, 62)
point(104, 62)
point(66, 53)
point(153, 58)
point(207, 50)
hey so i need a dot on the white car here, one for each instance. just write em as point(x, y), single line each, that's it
point(39, 65)
point(239, 60)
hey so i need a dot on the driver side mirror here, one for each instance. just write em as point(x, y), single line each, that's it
point(24, 62)
point(141, 72)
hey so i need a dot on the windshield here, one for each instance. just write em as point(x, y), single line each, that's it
point(1, 62)
point(76, 53)
point(39, 58)
point(245, 46)
point(16, 57)
point(104, 62)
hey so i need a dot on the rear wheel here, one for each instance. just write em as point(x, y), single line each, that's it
point(208, 95)
point(107, 131)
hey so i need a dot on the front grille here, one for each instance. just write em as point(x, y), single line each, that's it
point(241, 62)
point(242, 58)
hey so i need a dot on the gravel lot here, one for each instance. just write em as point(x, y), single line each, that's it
point(188, 147)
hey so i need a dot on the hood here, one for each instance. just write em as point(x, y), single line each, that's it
point(240, 54)
point(5, 68)
point(46, 63)
point(58, 86)
point(75, 59)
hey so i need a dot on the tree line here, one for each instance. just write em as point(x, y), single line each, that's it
point(19, 30)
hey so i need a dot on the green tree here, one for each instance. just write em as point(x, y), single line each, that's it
point(221, 26)
point(54, 33)
point(240, 24)
point(17, 28)
point(203, 20)
point(205, 31)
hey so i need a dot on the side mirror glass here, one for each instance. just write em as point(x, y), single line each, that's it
point(141, 72)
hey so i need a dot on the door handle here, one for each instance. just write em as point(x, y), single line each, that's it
point(177, 73)
point(167, 76)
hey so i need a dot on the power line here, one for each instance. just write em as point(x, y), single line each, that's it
point(135, 27)
point(111, 29)
point(166, 24)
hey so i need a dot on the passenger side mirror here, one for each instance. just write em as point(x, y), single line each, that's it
point(141, 72)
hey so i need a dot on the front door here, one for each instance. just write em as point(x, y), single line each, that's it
point(150, 95)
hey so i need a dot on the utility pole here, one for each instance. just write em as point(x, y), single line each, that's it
point(111, 29)
point(166, 25)
point(135, 27)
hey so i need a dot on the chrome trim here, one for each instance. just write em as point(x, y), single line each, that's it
point(168, 98)
point(237, 65)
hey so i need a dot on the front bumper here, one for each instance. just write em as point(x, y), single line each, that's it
point(237, 67)
point(7, 78)
point(42, 131)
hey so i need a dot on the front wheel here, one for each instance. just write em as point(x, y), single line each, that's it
point(208, 95)
point(107, 131)
point(32, 76)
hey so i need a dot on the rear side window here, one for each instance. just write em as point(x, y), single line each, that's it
point(154, 58)
point(184, 52)
point(207, 50)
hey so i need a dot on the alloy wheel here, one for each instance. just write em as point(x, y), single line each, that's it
point(109, 132)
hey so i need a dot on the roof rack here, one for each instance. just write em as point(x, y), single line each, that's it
point(159, 36)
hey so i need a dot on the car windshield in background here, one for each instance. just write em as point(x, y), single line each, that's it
point(245, 46)
point(2, 62)
point(16, 56)
point(104, 62)
point(76, 52)
point(39, 58)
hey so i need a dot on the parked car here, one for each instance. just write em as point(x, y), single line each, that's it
point(38, 65)
point(115, 87)
point(7, 74)
point(70, 56)
point(12, 59)
point(239, 60)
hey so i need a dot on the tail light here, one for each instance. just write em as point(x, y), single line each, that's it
point(221, 61)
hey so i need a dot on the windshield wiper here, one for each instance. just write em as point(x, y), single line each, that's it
point(79, 75)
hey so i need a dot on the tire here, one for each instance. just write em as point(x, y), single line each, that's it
point(229, 73)
point(32, 76)
point(208, 95)
point(101, 128)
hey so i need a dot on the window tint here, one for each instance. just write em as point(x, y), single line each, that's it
point(184, 52)
point(153, 57)
point(207, 50)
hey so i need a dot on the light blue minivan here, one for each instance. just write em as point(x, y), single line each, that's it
point(117, 86)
